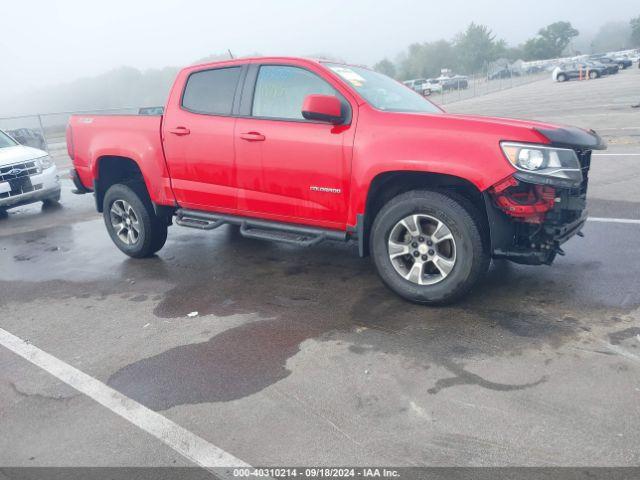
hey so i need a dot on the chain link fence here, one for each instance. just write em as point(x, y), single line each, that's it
point(481, 84)
point(46, 131)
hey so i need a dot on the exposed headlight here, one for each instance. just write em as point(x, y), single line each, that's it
point(45, 162)
point(542, 164)
point(530, 159)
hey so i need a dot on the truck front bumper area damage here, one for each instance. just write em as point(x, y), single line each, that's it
point(529, 222)
point(511, 243)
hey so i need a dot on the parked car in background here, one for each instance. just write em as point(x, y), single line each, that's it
point(29, 137)
point(624, 62)
point(610, 63)
point(27, 175)
point(434, 85)
point(415, 83)
point(502, 72)
point(457, 82)
point(605, 69)
point(150, 110)
point(420, 85)
point(576, 70)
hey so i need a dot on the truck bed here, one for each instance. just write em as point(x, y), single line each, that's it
point(137, 137)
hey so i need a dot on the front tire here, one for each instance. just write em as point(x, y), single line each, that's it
point(131, 221)
point(593, 75)
point(428, 246)
point(562, 77)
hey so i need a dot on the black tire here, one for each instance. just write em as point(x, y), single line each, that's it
point(561, 77)
point(463, 220)
point(152, 233)
point(593, 74)
point(52, 201)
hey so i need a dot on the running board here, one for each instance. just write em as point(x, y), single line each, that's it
point(185, 221)
point(300, 235)
point(281, 236)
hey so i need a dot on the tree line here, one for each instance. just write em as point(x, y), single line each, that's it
point(471, 51)
point(477, 47)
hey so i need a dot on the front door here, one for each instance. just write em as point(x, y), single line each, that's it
point(288, 168)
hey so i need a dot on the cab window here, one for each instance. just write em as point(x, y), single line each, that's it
point(211, 91)
point(280, 91)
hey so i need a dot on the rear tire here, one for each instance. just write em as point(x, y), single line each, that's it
point(561, 77)
point(438, 262)
point(132, 222)
point(593, 75)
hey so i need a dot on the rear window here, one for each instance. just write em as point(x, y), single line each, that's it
point(211, 91)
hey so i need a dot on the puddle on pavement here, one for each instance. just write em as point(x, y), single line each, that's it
point(236, 363)
point(464, 377)
point(302, 294)
point(244, 360)
point(616, 338)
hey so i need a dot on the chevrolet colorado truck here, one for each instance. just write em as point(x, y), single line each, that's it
point(301, 151)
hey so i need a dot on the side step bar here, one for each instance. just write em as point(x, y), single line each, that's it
point(300, 235)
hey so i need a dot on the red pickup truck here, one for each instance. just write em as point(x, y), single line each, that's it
point(301, 151)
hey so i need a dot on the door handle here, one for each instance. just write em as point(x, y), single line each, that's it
point(253, 137)
point(180, 131)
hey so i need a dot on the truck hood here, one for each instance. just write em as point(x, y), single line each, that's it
point(560, 135)
point(18, 154)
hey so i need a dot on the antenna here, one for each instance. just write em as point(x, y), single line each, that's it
point(230, 54)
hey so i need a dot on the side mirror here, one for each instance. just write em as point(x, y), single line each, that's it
point(324, 108)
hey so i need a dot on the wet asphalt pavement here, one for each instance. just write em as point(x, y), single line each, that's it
point(302, 357)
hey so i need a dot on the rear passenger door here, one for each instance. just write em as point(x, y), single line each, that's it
point(198, 130)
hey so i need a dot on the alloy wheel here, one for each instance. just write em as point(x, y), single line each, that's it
point(125, 222)
point(422, 249)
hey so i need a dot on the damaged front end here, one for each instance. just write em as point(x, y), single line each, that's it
point(543, 204)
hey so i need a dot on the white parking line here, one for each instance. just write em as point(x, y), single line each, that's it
point(614, 220)
point(183, 441)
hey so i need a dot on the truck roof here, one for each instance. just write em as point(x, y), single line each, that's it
point(235, 61)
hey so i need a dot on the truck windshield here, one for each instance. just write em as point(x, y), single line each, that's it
point(383, 92)
point(6, 140)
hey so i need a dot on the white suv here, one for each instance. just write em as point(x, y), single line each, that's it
point(27, 175)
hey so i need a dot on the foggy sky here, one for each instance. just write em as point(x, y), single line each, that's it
point(49, 42)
